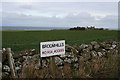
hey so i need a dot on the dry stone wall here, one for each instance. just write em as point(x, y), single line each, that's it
point(73, 54)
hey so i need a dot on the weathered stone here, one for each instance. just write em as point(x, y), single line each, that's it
point(32, 60)
point(4, 57)
point(69, 54)
point(37, 64)
point(105, 46)
point(93, 54)
point(36, 61)
point(96, 46)
point(37, 56)
point(75, 52)
point(5, 75)
point(83, 46)
point(100, 54)
point(18, 63)
point(85, 50)
point(104, 53)
point(72, 49)
point(44, 63)
point(75, 59)
point(32, 50)
point(108, 46)
point(94, 43)
point(17, 68)
point(28, 57)
point(27, 52)
point(76, 47)
point(60, 67)
point(81, 58)
point(67, 48)
point(58, 61)
point(16, 56)
point(113, 46)
point(99, 50)
point(4, 50)
point(67, 60)
point(113, 51)
point(104, 50)
point(86, 56)
point(114, 43)
point(76, 65)
point(21, 59)
point(108, 41)
point(63, 56)
point(6, 68)
point(90, 47)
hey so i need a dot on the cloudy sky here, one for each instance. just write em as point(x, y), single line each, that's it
point(60, 14)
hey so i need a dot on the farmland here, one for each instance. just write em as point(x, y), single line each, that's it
point(22, 40)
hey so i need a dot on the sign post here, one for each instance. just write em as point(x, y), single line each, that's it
point(52, 66)
point(50, 49)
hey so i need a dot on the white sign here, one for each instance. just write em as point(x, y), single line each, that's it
point(52, 48)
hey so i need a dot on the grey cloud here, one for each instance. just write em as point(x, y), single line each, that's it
point(14, 14)
point(84, 19)
point(110, 21)
point(26, 7)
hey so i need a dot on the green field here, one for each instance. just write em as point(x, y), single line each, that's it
point(22, 40)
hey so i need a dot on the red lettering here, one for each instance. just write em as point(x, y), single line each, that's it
point(44, 52)
point(58, 50)
point(55, 51)
point(47, 52)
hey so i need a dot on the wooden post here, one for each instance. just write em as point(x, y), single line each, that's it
point(52, 66)
point(40, 62)
point(10, 61)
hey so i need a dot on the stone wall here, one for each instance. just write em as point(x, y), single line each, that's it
point(73, 54)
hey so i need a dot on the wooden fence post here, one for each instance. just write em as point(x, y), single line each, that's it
point(10, 61)
point(52, 66)
point(40, 62)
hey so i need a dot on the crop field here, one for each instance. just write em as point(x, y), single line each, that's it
point(22, 40)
